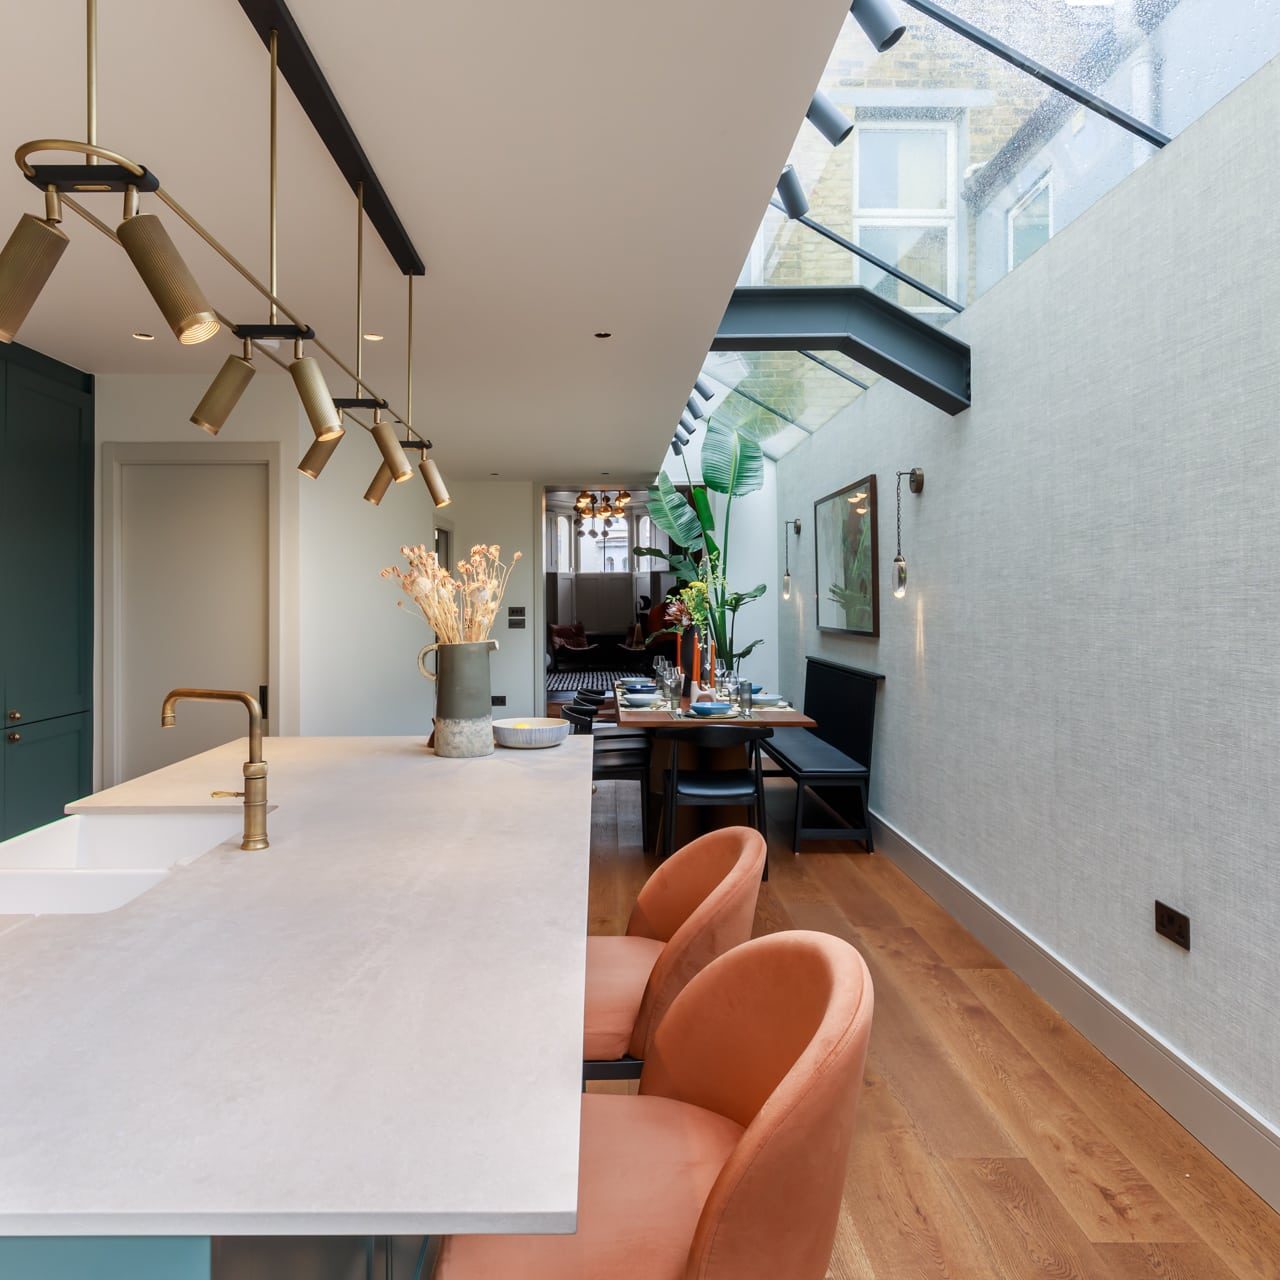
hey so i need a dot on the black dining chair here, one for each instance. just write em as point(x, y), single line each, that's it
point(592, 699)
point(615, 760)
point(702, 787)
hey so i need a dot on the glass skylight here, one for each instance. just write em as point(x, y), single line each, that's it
point(961, 166)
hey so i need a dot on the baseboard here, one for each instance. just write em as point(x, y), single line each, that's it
point(1241, 1139)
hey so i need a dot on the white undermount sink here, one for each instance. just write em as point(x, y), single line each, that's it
point(96, 862)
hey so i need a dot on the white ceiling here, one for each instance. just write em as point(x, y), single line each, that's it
point(562, 167)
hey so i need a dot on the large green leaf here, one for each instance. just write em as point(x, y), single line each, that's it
point(736, 599)
point(671, 512)
point(731, 464)
point(680, 563)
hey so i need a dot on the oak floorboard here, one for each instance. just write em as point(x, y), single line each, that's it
point(909, 1219)
point(1026, 1227)
point(1233, 1219)
point(1165, 1262)
point(1108, 1197)
point(992, 1138)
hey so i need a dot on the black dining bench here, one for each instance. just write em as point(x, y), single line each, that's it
point(831, 764)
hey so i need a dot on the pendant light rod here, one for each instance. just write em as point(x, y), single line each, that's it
point(91, 78)
point(71, 203)
point(408, 362)
point(359, 284)
point(272, 278)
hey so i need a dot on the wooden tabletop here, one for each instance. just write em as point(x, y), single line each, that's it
point(660, 718)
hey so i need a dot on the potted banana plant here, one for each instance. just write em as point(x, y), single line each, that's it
point(698, 526)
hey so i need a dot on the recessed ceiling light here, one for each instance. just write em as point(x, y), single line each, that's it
point(493, 473)
point(373, 337)
point(604, 335)
point(144, 337)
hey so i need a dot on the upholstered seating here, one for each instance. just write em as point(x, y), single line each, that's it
point(730, 1164)
point(697, 905)
point(618, 972)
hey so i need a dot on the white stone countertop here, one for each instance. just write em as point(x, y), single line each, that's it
point(372, 1027)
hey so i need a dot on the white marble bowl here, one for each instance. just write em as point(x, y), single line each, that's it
point(531, 732)
point(640, 699)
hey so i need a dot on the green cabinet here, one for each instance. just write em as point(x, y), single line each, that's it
point(46, 587)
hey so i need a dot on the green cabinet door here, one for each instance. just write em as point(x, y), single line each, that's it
point(43, 767)
point(46, 546)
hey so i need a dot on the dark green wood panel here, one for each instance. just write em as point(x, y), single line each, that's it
point(46, 545)
point(48, 766)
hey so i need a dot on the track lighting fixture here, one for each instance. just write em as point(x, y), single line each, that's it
point(379, 485)
point(828, 119)
point(789, 527)
point(791, 193)
point(314, 460)
point(704, 388)
point(680, 435)
point(688, 422)
point(171, 285)
point(26, 263)
point(695, 405)
point(879, 21)
point(435, 481)
point(676, 447)
point(313, 391)
point(384, 436)
point(225, 391)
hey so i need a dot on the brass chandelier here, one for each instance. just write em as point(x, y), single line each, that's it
point(598, 506)
point(28, 259)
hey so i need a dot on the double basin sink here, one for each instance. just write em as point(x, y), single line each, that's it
point(93, 862)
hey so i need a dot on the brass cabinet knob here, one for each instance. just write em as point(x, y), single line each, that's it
point(15, 737)
point(15, 715)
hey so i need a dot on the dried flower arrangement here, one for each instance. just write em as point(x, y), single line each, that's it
point(458, 611)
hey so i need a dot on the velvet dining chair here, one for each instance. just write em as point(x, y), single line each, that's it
point(730, 1162)
point(697, 905)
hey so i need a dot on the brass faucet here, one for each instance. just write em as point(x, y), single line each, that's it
point(255, 769)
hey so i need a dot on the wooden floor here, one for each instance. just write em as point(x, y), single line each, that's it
point(994, 1142)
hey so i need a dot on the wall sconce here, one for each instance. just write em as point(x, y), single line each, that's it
point(794, 527)
point(915, 479)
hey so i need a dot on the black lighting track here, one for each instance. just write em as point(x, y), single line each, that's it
point(304, 77)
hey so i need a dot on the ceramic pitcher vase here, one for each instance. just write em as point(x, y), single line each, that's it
point(464, 707)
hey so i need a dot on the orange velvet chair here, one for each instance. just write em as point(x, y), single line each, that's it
point(730, 1162)
point(697, 905)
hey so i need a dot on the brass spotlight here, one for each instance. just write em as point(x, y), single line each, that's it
point(313, 461)
point(435, 481)
point(225, 391)
point(156, 259)
point(313, 391)
point(381, 482)
point(384, 436)
point(26, 263)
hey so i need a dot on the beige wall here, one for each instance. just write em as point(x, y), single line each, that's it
point(346, 659)
point(1080, 711)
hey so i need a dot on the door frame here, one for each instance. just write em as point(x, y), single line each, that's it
point(115, 457)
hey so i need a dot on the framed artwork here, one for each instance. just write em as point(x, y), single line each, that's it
point(848, 555)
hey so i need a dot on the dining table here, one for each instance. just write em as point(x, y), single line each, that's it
point(665, 719)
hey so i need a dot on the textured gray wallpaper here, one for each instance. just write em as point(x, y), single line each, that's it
point(1082, 710)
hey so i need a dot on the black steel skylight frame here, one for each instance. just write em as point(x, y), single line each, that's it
point(1015, 58)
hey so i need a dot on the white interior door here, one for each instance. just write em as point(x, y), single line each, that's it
point(192, 603)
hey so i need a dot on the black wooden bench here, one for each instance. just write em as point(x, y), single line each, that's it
point(831, 765)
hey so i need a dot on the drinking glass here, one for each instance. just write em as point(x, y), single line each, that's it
point(673, 686)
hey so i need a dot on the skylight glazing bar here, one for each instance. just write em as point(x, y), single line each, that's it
point(867, 256)
point(768, 408)
point(840, 373)
point(1042, 73)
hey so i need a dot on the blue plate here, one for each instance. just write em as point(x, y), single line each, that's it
point(710, 708)
point(757, 688)
point(639, 686)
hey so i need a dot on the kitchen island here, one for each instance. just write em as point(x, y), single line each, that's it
point(372, 1027)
